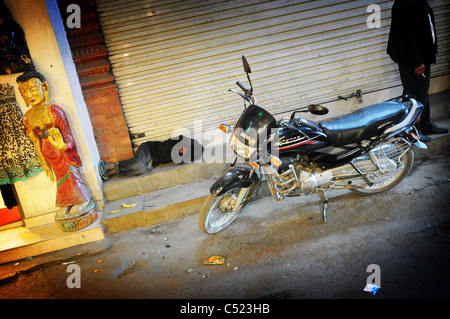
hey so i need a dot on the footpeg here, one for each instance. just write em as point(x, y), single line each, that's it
point(364, 176)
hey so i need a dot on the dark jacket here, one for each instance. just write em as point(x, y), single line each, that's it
point(410, 38)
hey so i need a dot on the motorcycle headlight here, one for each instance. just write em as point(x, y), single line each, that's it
point(240, 148)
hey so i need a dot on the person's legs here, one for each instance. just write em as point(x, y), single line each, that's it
point(417, 87)
point(140, 160)
point(133, 166)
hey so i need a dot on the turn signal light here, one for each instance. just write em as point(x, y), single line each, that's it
point(255, 165)
point(225, 128)
point(275, 161)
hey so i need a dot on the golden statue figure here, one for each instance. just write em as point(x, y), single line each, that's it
point(49, 130)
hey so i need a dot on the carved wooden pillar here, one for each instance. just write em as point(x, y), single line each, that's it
point(97, 82)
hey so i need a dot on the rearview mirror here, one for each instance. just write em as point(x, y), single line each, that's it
point(317, 109)
point(246, 65)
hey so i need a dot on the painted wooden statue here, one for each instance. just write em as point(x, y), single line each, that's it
point(48, 128)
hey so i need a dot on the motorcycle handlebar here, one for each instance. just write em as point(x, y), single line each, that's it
point(248, 95)
point(245, 97)
point(243, 88)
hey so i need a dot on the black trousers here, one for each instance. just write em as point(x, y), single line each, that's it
point(158, 153)
point(8, 195)
point(139, 163)
point(417, 87)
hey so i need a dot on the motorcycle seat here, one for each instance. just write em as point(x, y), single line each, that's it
point(364, 123)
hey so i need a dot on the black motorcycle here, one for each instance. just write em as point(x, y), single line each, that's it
point(367, 151)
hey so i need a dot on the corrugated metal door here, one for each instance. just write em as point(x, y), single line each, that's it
point(174, 60)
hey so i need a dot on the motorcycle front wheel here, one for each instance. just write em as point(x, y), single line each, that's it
point(217, 212)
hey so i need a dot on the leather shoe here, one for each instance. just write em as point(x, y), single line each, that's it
point(424, 138)
point(432, 128)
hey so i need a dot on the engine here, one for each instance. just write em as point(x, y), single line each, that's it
point(340, 177)
point(379, 163)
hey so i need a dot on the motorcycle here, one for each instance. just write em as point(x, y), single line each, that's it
point(368, 151)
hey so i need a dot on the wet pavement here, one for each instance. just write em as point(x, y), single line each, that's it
point(273, 250)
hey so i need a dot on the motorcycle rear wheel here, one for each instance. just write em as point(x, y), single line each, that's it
point(216, 213)
point(407, 160)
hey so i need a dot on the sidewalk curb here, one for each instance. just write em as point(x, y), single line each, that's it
point(154, 216)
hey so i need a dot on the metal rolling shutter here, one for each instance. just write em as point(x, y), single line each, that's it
point(174, 60)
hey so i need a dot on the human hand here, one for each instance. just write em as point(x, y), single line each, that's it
point(419, 71)
point(56, 138)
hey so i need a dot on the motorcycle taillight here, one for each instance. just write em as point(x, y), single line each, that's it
point(417, 119)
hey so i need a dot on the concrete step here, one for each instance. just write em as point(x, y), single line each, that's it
point(161, 177)
point(159, 206)
point(21, 242)
point(439, 144)
point(440, 106)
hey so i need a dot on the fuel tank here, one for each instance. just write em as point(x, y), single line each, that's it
point(300, 138)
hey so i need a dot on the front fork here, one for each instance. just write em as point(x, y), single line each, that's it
point(244, 192)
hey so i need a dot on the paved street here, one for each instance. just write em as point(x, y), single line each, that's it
point(275, 250)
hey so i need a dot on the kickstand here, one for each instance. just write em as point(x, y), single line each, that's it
point(324, 199)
